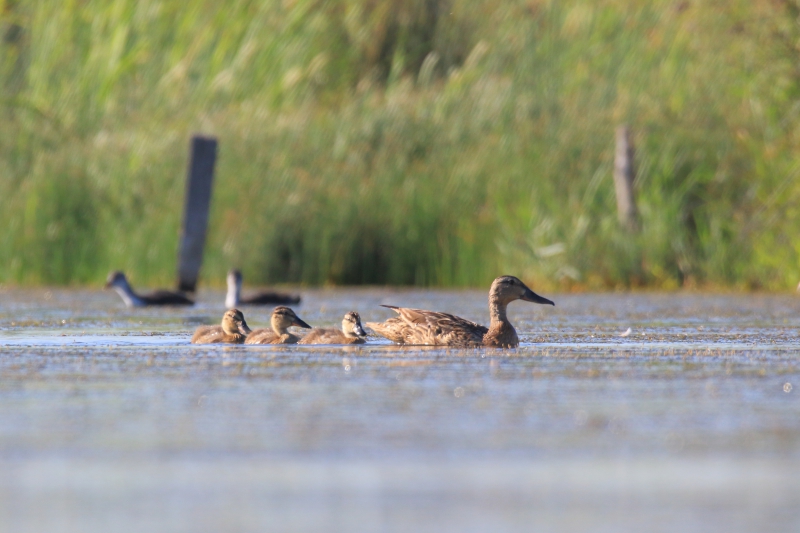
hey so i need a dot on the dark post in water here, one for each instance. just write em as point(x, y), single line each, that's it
point(624, 173)
point(195, 211)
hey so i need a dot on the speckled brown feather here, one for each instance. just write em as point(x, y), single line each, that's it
point(418, 326)
point(267, 336)
point(501, 335)
point(214, 335)
point(329, 336)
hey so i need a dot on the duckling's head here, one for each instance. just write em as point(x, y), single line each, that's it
point(234, 278)
point(506, 289)
point(116, 279)
point(351, 325)
point(233, 323)
point(283, 318)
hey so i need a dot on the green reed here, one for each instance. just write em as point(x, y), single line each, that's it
point(403, 142)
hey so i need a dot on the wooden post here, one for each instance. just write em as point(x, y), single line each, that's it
point(624, 173)
point(199, 181)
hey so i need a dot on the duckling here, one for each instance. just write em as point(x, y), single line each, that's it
point(117, 281)
point(233, 298)
point(351, 332)
point(282, 318)
point(233, 330)
point(416, 326)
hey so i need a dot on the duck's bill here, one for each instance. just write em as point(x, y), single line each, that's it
point(299, 323)
point(359, 331)
point(531, 296)
point(243, 329)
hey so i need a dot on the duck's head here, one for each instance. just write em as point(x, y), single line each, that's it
point(234, 278)
point(509, 288)
point(116, 279)
point(233, 323)
point(351, 325)
point(283, 318)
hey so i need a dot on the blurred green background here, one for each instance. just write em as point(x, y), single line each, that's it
point(431, 142)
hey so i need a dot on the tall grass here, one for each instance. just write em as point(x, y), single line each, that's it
point(406, 142)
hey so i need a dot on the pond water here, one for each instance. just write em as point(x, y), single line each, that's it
point(619, 412)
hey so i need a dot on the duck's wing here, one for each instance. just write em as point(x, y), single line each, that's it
point(286, 338)
point(392, 329)
point(270, 298)
point(322, 336)
point(261, 336)
point(207, 335)
point(419, 326)
point(163, 297)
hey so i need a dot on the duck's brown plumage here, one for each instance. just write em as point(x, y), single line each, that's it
point(351, 332)
point(418, 326)
point(233, 330)
point(282, 318)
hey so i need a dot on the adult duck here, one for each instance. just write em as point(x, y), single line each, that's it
point(116, 280)
point(234, 296)
point(351, 333)
point(233, 330)
point(281, 320)
point(416, 326)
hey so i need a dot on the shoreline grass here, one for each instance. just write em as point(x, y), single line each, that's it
point(407, 143)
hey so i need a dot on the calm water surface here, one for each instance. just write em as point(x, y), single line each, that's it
point(619, 412)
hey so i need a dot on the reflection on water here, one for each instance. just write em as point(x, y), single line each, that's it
point(111, 420)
